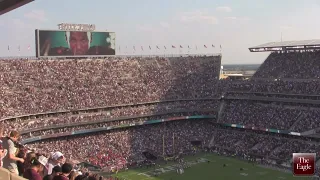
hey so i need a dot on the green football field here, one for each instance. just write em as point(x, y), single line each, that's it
point(200, 169)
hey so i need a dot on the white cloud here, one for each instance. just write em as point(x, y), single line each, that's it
point(164, 24)
point(224, 9)
point(38, 15)
point(197, 16)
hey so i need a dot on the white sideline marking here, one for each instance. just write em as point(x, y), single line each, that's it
point(244, 174)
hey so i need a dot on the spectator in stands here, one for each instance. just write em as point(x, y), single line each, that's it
point(56, 171)
point(3, 153)
point(94, 177)
point(73, 175)
point(10, 160)
point(1, 133)
point(21, 154)
point(55, 160)
point(37, 166)
point(66, 169)
point(29, 157)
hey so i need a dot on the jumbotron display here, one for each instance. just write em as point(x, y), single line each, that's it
point(50, 43)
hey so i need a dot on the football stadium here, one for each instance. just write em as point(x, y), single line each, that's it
point(78, 110)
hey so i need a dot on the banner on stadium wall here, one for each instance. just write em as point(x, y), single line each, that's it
point(153, 122)
point(239, 126)
point(29, 140)
point(295, 133)
point(177, 118)
point(201, 117)
point(263, 129)
point(85, 131)
point(56, 135)
point(273, 130)
point(285, 132)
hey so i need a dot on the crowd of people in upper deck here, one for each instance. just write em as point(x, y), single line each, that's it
point(35, 86)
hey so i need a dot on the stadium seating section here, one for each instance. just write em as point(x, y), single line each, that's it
point(48, 97)
point(293, 65)
point(35, 86)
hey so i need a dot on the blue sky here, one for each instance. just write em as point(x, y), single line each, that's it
point(235, 24)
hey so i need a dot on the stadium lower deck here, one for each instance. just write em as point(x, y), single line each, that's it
point(108, 112)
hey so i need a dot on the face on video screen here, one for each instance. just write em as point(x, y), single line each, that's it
point(79, 43)
point(74, 43)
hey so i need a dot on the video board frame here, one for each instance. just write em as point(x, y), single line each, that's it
point(38, 50)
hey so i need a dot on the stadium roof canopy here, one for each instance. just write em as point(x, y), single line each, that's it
point(9, 5)
point(287, 45)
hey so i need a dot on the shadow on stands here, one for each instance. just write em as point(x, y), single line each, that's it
point(193, 79)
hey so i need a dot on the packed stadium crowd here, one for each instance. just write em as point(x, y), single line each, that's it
point(305, 87)
point(259, 115)
point(124, 147)
point(73, 95)
point(291, 65)
point(297, 118)
point(266, 145)
point(35, 86)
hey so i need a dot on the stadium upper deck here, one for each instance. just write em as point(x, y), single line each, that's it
point(290, 60)
point(30, 87)
point(287, 45)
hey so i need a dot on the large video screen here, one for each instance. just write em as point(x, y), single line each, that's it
point(74, 43)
